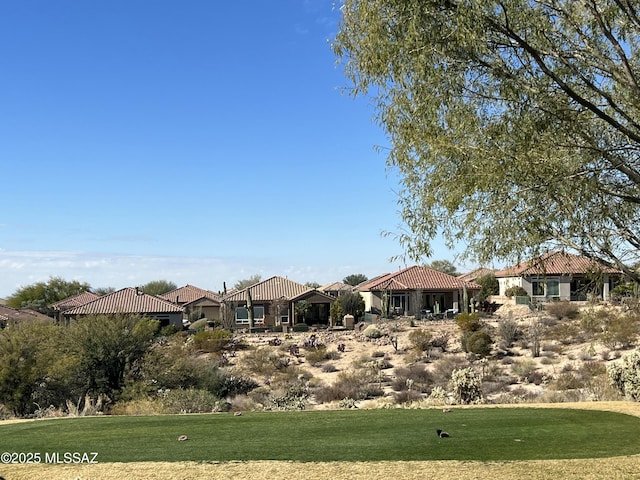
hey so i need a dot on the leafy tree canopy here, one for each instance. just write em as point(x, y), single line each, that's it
point(355, 279)
point(514, 125)
point(444, 266)
point(247, 282)
point(312, 285)
point(158, 287)
point(41, 295)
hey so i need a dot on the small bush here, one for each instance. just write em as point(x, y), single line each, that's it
point(301, 327)
point(265, 361)
point(191, 401)
point(620, 331)
point(372, 332)
point(469, 322)
point(420, 339)
point(413, 377)
point(523, 369)
point(169, 330)
point(316, 355)
point(329, 368)
point(509, 331)
point(516, 292)
point(406, 396)
point(563, 309)
point(212, 340)
point(478, 343)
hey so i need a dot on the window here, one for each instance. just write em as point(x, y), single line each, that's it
point(242, 315)
point(537, 287)
point(553, 288)
point(545, 288)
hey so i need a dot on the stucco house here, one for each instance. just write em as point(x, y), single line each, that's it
point(560, 276)
point(195, 300)
point(416, 290)
point(335, 289)
point(130, 301)
point(274, 303)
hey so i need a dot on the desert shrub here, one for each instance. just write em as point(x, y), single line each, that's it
point(414, 377)
point(516, 292)
point(316, 355)
point(406, 396)
point(625, 375)
point(191, 400)
point(143, 406)
point(444, 367)
point(563, 309)
point(169, 330)
point(554, 348)
point(212, 340)
point(265, 361)
point(469, 322)
point(566, 381)
point(441, 341)
point(372, 332)
point(478, 343)
point(566, 333)
point(509, 331)
point(348, 403)
point(420, 339)
point(352, 384)
point(466, 386)
point(619, 331)
point(329, 368)
point(523, 369)
point(232, 385)
point(294, 397)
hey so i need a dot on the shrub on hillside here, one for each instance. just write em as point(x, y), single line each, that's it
point(414, 377)
point(420, 339)
point(563, 309)
point(469, 322)
point(372, 332)
point(619, 331)
point(478, 343)
point(265, 361)
point(509, 331)
point(192, 401)
point(212, 340)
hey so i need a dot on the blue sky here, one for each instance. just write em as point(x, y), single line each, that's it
point(197, 142)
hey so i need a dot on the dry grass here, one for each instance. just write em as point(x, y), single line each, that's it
point(611, 468)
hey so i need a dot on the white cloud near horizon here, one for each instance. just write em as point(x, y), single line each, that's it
point(101, 270)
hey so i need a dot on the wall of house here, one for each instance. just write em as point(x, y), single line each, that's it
point(508, 282)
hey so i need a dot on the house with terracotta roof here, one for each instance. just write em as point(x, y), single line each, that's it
point(473, 275)
point(274, 303)
point(130, 301)
point(560, 276)
point(335, 289)
point(416, 290)
point(9, 315)
point(195, 300)
point(72, 302)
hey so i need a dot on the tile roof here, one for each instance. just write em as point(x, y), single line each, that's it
point(475, 274)
point(75, 301)
point(188, 294)
point(271, 289)
point(336, 287)
point(555, 263)
point(416, 278)
point(125, 301)
point(8, 313)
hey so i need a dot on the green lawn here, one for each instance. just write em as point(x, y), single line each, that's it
point(485, 434)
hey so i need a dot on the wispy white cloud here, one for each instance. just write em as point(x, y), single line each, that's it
point(21, 268)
